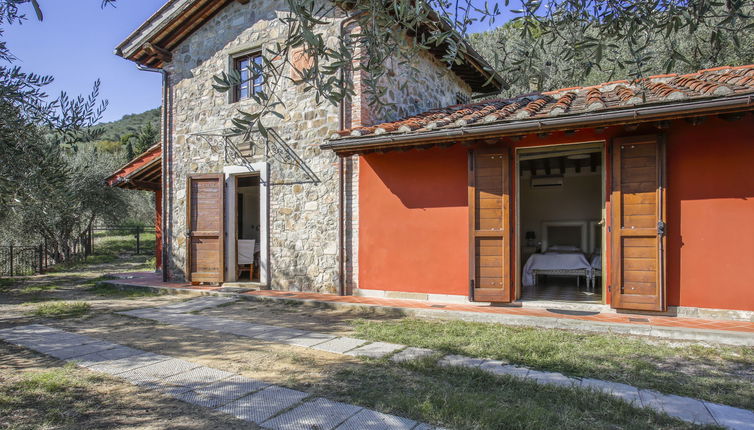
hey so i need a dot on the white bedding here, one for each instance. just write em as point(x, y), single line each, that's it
point(554, 261)
point(597, 262)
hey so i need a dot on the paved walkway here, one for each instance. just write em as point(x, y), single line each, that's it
point(685, 408)
point(696, 329)
point(269, 406)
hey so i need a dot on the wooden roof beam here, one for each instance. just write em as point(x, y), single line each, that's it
point(155, 51)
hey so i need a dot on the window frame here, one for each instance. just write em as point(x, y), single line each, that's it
point(236, 65)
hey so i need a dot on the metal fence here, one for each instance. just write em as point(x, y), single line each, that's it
point(24, 260)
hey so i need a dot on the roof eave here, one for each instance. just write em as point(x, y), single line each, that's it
point(591, 119)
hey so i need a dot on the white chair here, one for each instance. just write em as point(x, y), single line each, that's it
point(245, 255)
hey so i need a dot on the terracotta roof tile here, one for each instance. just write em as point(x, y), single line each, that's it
point(713, 82)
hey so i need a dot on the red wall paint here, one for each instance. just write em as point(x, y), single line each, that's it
point(711, 214)
point(414, 215)
point(413, 228)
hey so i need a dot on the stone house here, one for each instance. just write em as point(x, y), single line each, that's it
point(281, 203)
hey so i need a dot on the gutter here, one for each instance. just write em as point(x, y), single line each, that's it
point(616, 117)
point(164, 166)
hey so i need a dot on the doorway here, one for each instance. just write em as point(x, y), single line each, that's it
point(247, 228)
point(560, 217)
point(247, 218)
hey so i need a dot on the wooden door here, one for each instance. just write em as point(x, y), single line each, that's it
point(638, 224)
point(489, 226)
point(205, 228)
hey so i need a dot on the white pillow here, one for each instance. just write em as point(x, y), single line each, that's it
point(564, 248)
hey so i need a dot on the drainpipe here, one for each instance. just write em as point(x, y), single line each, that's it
point(164, 161)
point(341, 175)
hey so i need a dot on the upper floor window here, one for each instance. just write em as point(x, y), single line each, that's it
point(252, 78)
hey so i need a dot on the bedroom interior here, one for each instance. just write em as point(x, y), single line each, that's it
point(560, 209)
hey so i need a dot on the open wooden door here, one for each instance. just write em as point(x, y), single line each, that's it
point(489, 226)
point(205, 228)
point(638, 224)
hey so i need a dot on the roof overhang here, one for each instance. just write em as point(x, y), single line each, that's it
point(635, 115)
point(142, 173)
point(153, 42)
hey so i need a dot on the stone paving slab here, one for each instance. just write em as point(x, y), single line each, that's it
point(262, 405)
point(116, 353)
point(248, 329)
point(309, 339)
point(412, 353)
point(367, 419)
point(460, 360)
point(197, 377)
point(339, 345)
point(730, 417)
point(625, 392)
point(321, 414)
point(553, 378)
point(685, 408)
point(79, 350)
point(497, 367)
point(375, 350)
point(223, 391)
point(280, 334)
point(198, 304)
point(156, 372)
point(128, 363)
point(50, 342)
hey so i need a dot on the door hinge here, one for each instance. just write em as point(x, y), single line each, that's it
point(609, 288)
point(660, 228)
point(471, 290)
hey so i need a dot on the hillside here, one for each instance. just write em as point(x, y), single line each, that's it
point(129, 124)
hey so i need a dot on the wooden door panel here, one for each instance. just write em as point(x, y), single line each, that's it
point(489, 223)
point(638, 221)
point(205, 232)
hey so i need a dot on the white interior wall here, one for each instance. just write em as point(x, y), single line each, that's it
point(579, 199)
point(251, 226)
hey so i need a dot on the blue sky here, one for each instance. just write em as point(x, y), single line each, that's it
point(75, 44)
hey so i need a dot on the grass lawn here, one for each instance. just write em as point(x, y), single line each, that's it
point(59, 309)
point(461, 398)
point(719, 374)
point(46, 398)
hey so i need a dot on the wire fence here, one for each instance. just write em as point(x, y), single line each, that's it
point(25, 260)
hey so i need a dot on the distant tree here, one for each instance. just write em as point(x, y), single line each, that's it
point(147, 136)
point(49, 187)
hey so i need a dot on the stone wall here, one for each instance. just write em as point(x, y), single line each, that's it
point(303, 217)
point(414, 84)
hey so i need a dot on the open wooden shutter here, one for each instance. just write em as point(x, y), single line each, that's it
point(205, 229)
point(638, 224)
point(489, 225)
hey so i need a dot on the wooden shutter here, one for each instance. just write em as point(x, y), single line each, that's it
point(489, 225)
point(638, 224)
point(205, 232)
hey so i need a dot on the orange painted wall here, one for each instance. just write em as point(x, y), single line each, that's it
point(413, 228)
point(414, 215)
point(711, 214)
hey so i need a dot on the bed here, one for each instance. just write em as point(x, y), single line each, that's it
point(564, 247)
